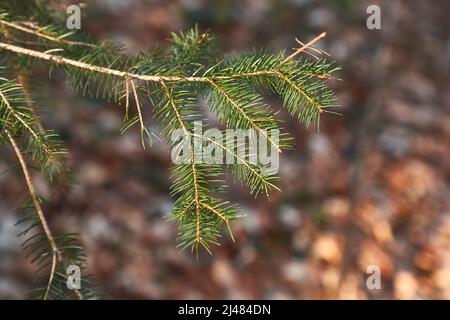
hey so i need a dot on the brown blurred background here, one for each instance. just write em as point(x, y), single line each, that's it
point(371, 188)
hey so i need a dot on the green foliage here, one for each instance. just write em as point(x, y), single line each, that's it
point(17, 116)
point(19, 124)
point(38, 249)
point(173, 79)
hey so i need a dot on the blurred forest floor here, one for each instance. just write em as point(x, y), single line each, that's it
point(371, 188)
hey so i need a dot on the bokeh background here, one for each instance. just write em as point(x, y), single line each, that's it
point(371, 188)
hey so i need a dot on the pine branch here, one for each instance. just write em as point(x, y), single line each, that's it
point(191, 181)
point(21, 82)
point(17, 119)
point(245, 105)
point(173, 79)
point(58, 60)
point(17, 114)
point(37, 205)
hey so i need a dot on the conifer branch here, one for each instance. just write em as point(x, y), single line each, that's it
point(173, 79)
point(221, 216)
point(253, 171)
point(36, 32)
point(93, 68)
point(235, 105)
point(46, 151)
point(123, 74)
point(38, 207)
point(21, 81)
point(16, 121)
point(196, 199)
point(299, 90)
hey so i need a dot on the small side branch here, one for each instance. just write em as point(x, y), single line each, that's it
point(40, 212)
point(35, 31)
point(302, 48)
point(299, 90)
point(242, 112)
point(196, 199)
point(138, 107)
point(221, 216)
point(26, 93)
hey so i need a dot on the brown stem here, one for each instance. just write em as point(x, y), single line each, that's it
point(40, 212)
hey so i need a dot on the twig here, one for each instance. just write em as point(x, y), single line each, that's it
point(320, 36)
point(198, 237)
point(93, 68)
point(123, 74)
point(127, 98)
point(299, 90)
point(242, 112)
point(312, 48)
point(221, 216)
point(40, 212)
point(47, 37)
point(138, 107)
point(21, 81)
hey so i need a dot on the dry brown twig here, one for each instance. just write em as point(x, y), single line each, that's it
point(304, 47)
point(138, 107)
